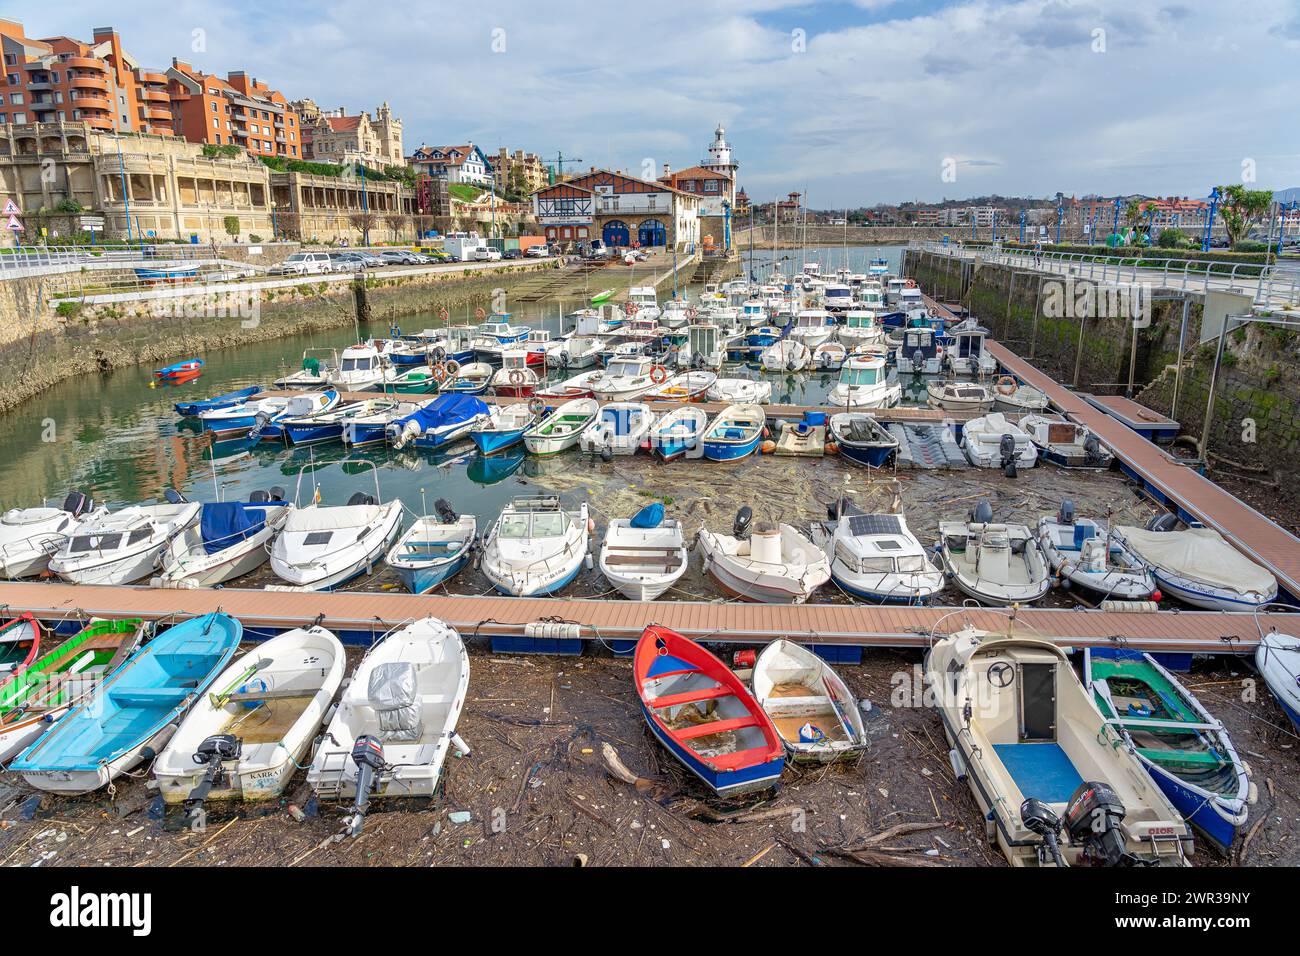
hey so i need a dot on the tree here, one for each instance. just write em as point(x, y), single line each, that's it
point(363, 222)
point(396, 222)
point(232, 225)
point(1241, 208)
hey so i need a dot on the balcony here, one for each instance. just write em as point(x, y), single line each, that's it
point(87, 81)
point(152, 95)
point(92, 102)
point(148, 76)
point(156, 115)
point(86, 63)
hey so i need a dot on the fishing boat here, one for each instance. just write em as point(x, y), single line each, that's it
point(514, 379)
point(740, 391)
point(314, 371)
point(876, 556)
point(863, 383)
point(362, 367)
point(1186, 750)
point(1085, 554)
point(433, 549)
point(1067, 444)
point(773, 564)
point(230, 539)
point(471, 379)
point(1011, 395)
point(536, 547)
point(421, 380)
point(812, 709)
point(133, 710)
point(36, 696)
point(328, 425)
point(579, 386)
point(861, 439)
point(678, 432)
point(180, 370)
point(20, 641)
point(1199, 567)
point(124, 546)
point(506, 425)
point(675, 315)
point(396, 721)
point(1278, 660)
point(1055, 782)
point(643, 556)
point(642, 301)
point(994, 442)
point(829, 357)
point(436, 424)
point(321, 547)
point(560, 430)
point(30, 536)
point(860, 328)
point(196, 408)
point(247, 737)
point(576, 352)
point(959, 396)
point(237, 419)
point(628, 378)
point(703, 348)
point(734, 433)
point(812, 327)
point(619, 428)
point(965, 354)
point(684, 387)
point(994, 562)
point(785, 355)
point(372, 428)
point(697, 708)
point(918, 352)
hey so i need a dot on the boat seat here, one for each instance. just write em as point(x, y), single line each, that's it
point(690, 697)
point(737, 758)
point(149, 696)
point(715, 727)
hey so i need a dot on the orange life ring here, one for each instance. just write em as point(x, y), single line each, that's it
point(440, 372)
point(658, 374)
point(910, 283)
point(1007, 385)
point(444, 315)
point(631, 308)
point(516, 376)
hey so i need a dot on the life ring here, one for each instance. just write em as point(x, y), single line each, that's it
point(910, 283)
point(444, 315)
point(516, 376)
point(658, 374)
point(536, 406)
point(1006, 385)
point(480, 314)
point(631, 308)
point(452, 366)
point(440, 372)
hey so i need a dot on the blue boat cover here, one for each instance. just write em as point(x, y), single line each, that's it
point(651, 516)
point(228, 522)
point(449, 409)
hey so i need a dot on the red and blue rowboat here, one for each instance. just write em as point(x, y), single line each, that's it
point(180, 369)
point(702, 712)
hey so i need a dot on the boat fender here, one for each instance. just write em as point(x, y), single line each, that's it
point(461, 748)
point(606, 453)
point(958, 764)
point(588, 562)
point(1252, 793)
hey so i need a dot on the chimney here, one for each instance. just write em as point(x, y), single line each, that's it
point(668, 170)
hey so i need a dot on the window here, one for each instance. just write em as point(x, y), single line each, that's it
point(216, 123)
point(16, 99)
point(3, 119)
point(13, 79)
point(214, 107)
point(20, 119)
point(138, 535)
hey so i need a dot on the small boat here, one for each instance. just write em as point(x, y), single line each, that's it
point(994, 442)
point(328, 425)
point(124, 546)
point(421, 380)
point(561, 429)
point(1199, 567)
point(433, 549)
point(134, 710)
point(860, 328)
point(628, 378)
point(38, 695)
point(812, 709)
point(181, 370)
point(515, 379)
point(401, 710)
point(678, 432)
point(959, 396)
point(1011, 395)
point(876, 556)
point(805, 438)
point(965, 354)
point(236, 419)
point(918, 352)
point(579, 386)
point(535, 547)
point(773, 565)
point(577, 352)
point(237, 397)
point(1067, 444)
point(362, 367)
point(436, 424)
point(322, 547)
point(247, 737)
point(230, 539)
point(306, 405)
point(619, 428)
point(734, 433)
point(684, 387)
point(372, 428)
point(604, 295)
point(1024, 733)
point(506, 426)
point(812, 327)
point(471, 379)
point(703, 714)
point(995, 563)
point(30, 536)
point(20, 641)
point(864, 383)
point(1278, 660)
point(861, 439)
point(643, 556)
point(785, 355)
point(829, 357)
point(314, 372)
point(740, 391)
point(1187, 752)
point(1085, 553)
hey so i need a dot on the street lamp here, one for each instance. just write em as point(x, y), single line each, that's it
point(275, 227)
point(1215, 196)
point(1060, 214)
point(1115, 228)
point(1022, 227)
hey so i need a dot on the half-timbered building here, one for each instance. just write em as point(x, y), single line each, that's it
point(620, 210)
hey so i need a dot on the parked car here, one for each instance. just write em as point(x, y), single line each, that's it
point(401, 257)
point(538, 252)
point(304, 263)
point(487, 254)
point(512, 254)
point(346, 262)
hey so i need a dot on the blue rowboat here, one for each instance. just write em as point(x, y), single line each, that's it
point(674, 674)
point(301, 406)
point(180, 369)
point(433, 549)
point(127, 718)
point(507, 426)
point(228, 400)
point(862, 439)
point(678, 432)
point(734, 433)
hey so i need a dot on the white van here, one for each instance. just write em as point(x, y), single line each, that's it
point(304, 264)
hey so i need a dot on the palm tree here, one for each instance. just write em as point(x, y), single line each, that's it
point(1240, 208)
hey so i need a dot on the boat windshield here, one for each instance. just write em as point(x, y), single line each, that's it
point(356, 365)
point(624, 368)
point(547, 524)
point(94, 542)
point(860, 376)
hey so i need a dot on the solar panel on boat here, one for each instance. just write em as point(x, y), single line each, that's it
point(874, 524)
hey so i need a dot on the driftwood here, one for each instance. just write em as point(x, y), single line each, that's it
point(870, 852)
point(619, 771)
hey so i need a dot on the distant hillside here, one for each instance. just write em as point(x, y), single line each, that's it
point(1287, 195)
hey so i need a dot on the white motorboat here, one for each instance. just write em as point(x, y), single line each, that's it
point(785, 355)
point(620, 428)
point(362, 367)
point(812, 327)
point(703, 348)
point(740, 391)
point(994, 442)
point(775, 564)
point(813, 710)
point(235, 419)
point(1278, 660)
point(1068, 444)
point(642, 302)
point(579, 386)
point(123, 547)
point(406, 695)
point(536, 547)
point(683, 387)
point(576, 352)
point(876, 556)
point(918, 352)
point(860, 328)
point(316, 366)
point(1085, 553)
point(965, 353)
point(959, 396)
point(29, 536)
point(1010, 395)
point(864, 383)
point(829, 357)
point(628, 378)
point(514, 379)
point(643, 556)
point(230, 539)
point(372, 427)
point(993, 562)
point(1199, 567)
point(271, 701)
point(675, 315)
point(561, 429)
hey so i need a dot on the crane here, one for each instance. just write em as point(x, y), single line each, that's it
point(559, 162)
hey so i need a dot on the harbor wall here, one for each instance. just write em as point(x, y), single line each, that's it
point(1255, 425)
point(791, 236)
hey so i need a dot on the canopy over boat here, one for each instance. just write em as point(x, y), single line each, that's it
point(1203, 555)
point(445, 410)
point(227, 522)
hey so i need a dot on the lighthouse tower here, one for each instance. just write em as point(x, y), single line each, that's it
point(721, 161)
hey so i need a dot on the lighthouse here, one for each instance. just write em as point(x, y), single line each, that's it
point(721, 161)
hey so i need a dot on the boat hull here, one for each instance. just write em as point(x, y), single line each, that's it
point(422, 580)
point(728, 783)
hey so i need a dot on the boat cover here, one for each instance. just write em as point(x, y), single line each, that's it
point(1201, 554)
point(393, 692)
point(333, 519)
point(225, 523)
point(445, 410)
point(651, 516)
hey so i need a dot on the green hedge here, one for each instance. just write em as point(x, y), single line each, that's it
point(282, 165)
point(1130, 253)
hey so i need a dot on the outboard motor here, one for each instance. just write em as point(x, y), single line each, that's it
point(839, 509)
point(174, 497)
point(1094, 820)
point(257, 496)
point(277, 493)
point(368, 755)
point(741, 526)
point(982, 513)
point(212, 752)
point(77, 504)
point(442, 508)
point(918, 362)
point(1164, 522)
point(1092, 448)
point(1042, 820)
point(1007, 450)
point(1066, 514)
point(361, 498)
point(260, 421)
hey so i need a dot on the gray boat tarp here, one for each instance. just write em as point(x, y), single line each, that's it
point(393, 692)
point(1201, 554)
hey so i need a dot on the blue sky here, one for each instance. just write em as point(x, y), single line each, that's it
point(857, 102)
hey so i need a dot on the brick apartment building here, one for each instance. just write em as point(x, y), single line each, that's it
point(238, 111)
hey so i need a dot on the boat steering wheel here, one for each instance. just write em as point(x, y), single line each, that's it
point(1001, 674)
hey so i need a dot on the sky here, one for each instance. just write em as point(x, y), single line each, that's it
point(856, 102)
